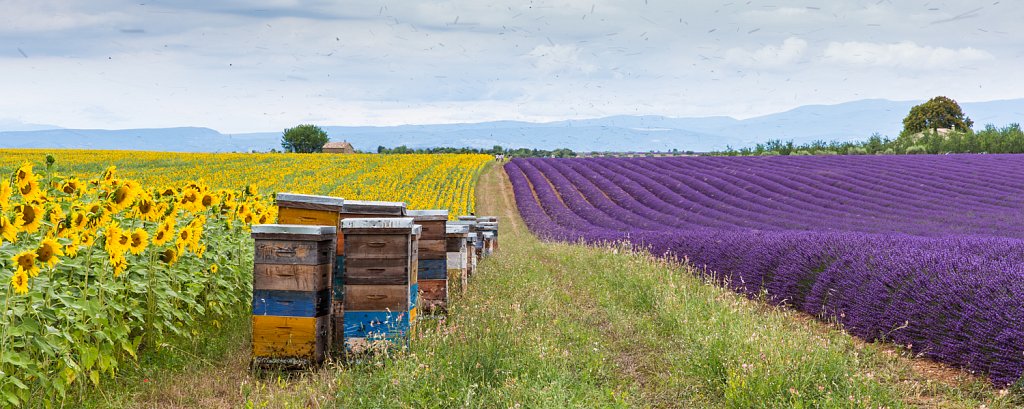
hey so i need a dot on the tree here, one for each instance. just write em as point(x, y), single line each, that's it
point(304, 139)
point(938, 112)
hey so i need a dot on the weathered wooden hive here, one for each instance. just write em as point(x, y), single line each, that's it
point(310, 209)
point(433, 259)
point(490, 223)
point(380, 281)
point(456, 237)
point(291, 293)
point(471, 242)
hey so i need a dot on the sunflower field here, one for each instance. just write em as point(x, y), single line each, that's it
point(422, 181)
point(105, 253)
point(98, 268)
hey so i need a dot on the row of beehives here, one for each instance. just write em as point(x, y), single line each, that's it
point(339, 276)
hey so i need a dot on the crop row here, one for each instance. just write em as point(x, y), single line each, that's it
point(925, 252)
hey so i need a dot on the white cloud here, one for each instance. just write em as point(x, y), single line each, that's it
point(559, 58)
point(770, 55)
point(906, 54)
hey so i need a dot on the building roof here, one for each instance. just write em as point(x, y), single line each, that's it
point(338, 145)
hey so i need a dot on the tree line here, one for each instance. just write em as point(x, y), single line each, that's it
point(495, 150)
point(1008, 139)
point(934, 127)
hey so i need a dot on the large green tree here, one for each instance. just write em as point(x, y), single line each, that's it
point(304, 139)
point(938, 112)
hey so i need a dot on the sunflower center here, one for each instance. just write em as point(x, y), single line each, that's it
point(28, 214)
point(26, 261)
point(120, 195)
point(45, 253)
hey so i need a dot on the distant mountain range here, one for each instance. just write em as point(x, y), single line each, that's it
point(842, 122)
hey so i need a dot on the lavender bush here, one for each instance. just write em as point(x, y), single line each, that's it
point(923, 251)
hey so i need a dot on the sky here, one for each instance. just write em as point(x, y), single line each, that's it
point(264, 65)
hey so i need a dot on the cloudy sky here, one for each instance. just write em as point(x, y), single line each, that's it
point(241, 66)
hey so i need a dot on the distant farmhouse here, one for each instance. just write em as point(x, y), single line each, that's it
point(338, 147)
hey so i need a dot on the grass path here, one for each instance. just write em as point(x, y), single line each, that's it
point(552, 325)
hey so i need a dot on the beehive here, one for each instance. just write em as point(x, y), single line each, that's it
point(490, 223)
point(458, 262)
point(291, 293)
point(380, 280)
point(433, 259)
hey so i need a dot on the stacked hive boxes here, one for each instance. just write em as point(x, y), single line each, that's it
point(324, 211)
point(380, 280)
point(488, 225)
point(456, 237)
point(291, 299)
point(433, 259)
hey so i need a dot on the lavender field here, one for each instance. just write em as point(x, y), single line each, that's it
point(923, 251)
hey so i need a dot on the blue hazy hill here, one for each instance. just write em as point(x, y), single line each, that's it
point(854, 120)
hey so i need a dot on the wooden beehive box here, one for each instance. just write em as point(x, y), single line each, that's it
point(357, 209)
point(292, 268)
point(490, 223)
point(379, 279)
point(458, 262)
point(488, 246)
point(433, 259)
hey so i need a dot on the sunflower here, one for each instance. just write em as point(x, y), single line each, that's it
point(78, 220)
point(208, 200)
point(5, 196)
point(119, 263)
point(30, 190)
point(184, 239)
point(20, 282)
point(163, 234)
point(56, 214)
point(115, 241)
point(123, 196)
point(146, 209)
point(214, 268)
point(71, 186)
point(24, 174)
point(169, 256)
point(139, 241)
point(31, 216)
point(26, 260)
point(9, 229)
point(49, 252)
point(191, 199)
point(108, 174)
point(71, 250)
point(264, 218)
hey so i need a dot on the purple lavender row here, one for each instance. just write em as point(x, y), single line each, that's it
point(889, 264)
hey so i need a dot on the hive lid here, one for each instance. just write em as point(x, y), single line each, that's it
point(292, 229)
point(456, 229)
point(374, 207)
point(417, 230)
point(297, 200)
point(378, 223)
point(493, 219)
point(428, 215)
point(488, 225)
point(488, 234)
point(467, 218)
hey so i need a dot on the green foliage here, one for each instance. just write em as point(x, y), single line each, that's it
point(938, 112)
point(917, 150)
point(1008, 139)
point(304, 139)
point(496, 150)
